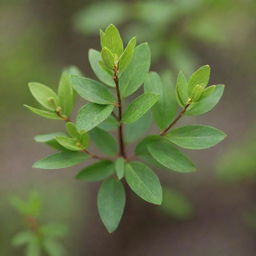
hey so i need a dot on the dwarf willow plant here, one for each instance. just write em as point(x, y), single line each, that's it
point(121, 72)
point(37, 239)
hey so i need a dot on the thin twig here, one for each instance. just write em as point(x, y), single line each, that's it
point(175, 120)
point(119, 106)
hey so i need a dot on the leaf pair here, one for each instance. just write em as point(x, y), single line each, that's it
point(57, 106)
point(193, 92)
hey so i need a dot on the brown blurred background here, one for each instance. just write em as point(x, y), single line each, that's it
point(39, 38)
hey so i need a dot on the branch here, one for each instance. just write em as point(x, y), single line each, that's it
point(175, 120)
point(119, 106)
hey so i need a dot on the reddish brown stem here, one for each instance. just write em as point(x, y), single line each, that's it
point(175, 120)
point(119, 106)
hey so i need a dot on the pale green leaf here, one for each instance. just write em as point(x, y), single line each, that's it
point(108, 58)
point(22, 238)
point(102, 75)
point(44, 95)
point(72, 130)
point(206, 104)
point(33, 248)
point(43, 113)
point(144, 182)
point(170, 157)
point(91, 115)
point(54, 248)
point(127, 55)
point(104, 141)
point(92, 90)
point(135, 74)
point(139, 107)
point(200, 76)
point(69, 143)
point(208, 91)
point(112, 40)
point(195, 136)
point(182, 89)
point(111, 202)
point(120, 167)
point(61, 160)
point(66, 95)
point(44, 138)
point(109, 124)
point(98, 171)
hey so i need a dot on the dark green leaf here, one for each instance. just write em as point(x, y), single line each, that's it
point(92, 115)
point(43, 113)
point(44, 95)
point(135, 74)
point(120, 167)
point(206, 104)
point(144, 182)
point(97, 171)
point(139, 107)
point(66, 95)
point(61, 160)
point(91, 90)
point(127, 55)
point(170, 157)
point(137, 129)
point(103, 76)
point(195, 136)
point(111, 202)
point(200, 76)
point(165, 109)
point(104, 141)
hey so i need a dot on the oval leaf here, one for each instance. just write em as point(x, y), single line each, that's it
point(170, 157)
point(91, 90)
point(195, 136)
point(135, 74)
point(139, 107)
point(144, 182)
point(97, 171)
point(120, 167)
point(90, 115)
point(43, 113)
point(61, 160)
point(111, 202)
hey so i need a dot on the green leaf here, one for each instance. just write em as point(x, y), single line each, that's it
point(53, 248)
point(91, 115)
point(120, 167)
point(102, 75)
point(127, 55)
point(22, 238)
point(72, 130)
point(34, 204)
point(66, 95)
point(182, 89)
point(164, 110)
point(33, 248)
point(53, 230)
point(176, 205)
point(109, 124)
point(170, 157)
point(61, 160)
point(139, 107)
point(144, 182)
point(104, 141)
point(195, 136)
point(73, 70)
point(135, 74)
point(43, 113)
point(137, 129)
point(206, 104)
point(208, 91)
point(108, 58)
point(111, 202)
point(200, 76)
point(44, 95)
point(91, 90)
point(69, 143)
point(95, 172)
point(112, 40)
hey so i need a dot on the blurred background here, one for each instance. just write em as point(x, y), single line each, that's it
point(211, 212)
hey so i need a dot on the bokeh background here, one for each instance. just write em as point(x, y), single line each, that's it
point(211, 212)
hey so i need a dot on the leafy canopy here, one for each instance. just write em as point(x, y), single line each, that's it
point(122, 70)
